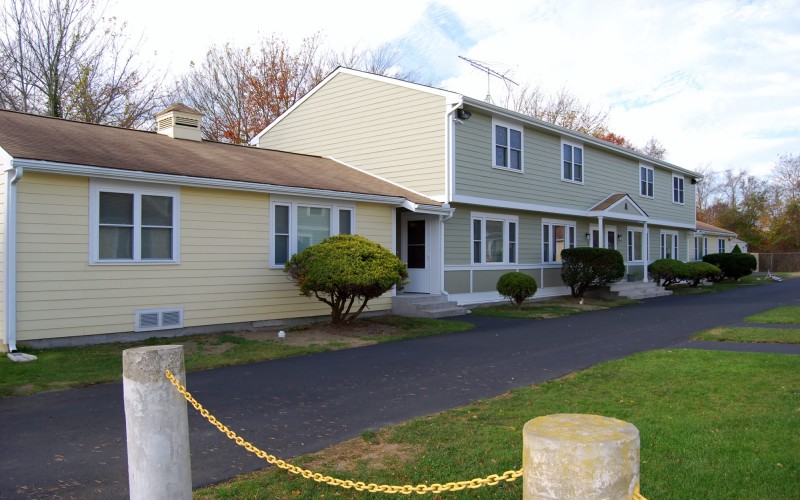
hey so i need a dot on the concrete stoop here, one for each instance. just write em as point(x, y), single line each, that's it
point(630, 290)
point(422, 305)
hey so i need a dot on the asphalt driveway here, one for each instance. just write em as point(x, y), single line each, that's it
point(71, 444)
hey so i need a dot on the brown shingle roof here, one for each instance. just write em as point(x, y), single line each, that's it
point(702, 226)
point(34, 137)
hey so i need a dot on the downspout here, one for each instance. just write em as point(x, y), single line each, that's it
point(10, 266)
point(449, 176)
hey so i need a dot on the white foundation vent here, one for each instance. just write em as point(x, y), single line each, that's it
point(159, 319)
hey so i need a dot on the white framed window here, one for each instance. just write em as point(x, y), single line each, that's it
point(556, 236)
point(677, 189)
point(494, 238)
point(572, 162)
point(508, 146)
point(133, 223)
point(634, 245)
point(646, 181)
point(296, 225)
point(669, 245)
point(721, 245)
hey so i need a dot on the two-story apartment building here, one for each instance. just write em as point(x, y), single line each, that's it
point(520, 189)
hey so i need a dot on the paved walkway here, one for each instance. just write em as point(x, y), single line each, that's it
point(71, 444)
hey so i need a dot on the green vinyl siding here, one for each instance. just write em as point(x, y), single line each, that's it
point(457, 281)
point(604, 173)
point(458, 235)
point(486, 281)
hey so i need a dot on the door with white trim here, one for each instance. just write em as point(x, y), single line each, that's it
point(416, 245)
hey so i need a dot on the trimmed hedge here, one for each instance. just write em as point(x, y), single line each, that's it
point(699, 271)
point(516, 287)
point(668, 271)
point(733, 265)
point(585, 268)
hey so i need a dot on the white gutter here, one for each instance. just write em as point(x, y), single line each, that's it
point(139, 176)
point(10, 264)
point(449, 152)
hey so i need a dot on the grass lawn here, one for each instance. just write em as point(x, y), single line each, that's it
point(712, 424)
point(61, 368)
point(746, 334)
point(784, 315)
point(550, 308)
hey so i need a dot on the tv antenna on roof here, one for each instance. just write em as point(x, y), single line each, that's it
point(489, 73)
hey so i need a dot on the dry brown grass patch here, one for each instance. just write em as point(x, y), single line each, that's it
point(358, 452)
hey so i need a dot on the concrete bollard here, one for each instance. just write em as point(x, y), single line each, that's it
point(157, 424)
point(571, 456)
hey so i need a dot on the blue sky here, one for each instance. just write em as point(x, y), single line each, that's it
point(717, 82)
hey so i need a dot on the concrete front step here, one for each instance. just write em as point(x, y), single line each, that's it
point(442, 313)
point(631, 290)
point(426, 306)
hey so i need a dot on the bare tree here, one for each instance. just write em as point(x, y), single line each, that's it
point(241, 91)
point(561, 108)
point(64, 59)
point(654, 148)
point(786, 176)
point(381, 60)
point(707, 190)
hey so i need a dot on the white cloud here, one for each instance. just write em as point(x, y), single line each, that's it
point(715, 81)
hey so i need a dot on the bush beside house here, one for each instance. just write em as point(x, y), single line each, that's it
point(586, 268)
point(516, 287)
point(733, 265)
point(343, 270)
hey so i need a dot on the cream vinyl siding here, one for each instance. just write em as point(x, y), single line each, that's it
point(604, 173)
point(389, 130)
point(223, 277)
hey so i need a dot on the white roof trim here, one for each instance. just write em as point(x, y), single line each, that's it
point(450, 97)
point(139, 176)
point(625, 198)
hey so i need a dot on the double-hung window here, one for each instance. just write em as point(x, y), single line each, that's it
point(669, 245)
point(634, 245)
point(556, 236)
point(677, 189)
point(646, 181)
point(507, 146)
point(494, 239)
point(133, 223)
point(297, 225)
point(572, 161)
point(721, 245)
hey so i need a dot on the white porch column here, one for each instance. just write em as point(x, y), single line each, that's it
point(645, 249)
point(601, 233)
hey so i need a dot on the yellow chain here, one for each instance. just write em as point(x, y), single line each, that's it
point(420, 489)
point(407, 489)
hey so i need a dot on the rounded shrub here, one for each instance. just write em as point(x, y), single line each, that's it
point(516, 287)
point(584, 268)
point(343, 270)
point(668, 271)
point(699, 271)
